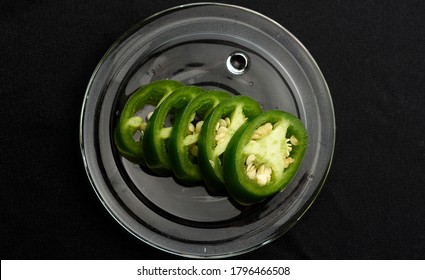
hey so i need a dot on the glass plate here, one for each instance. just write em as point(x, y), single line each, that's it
point(215, 46)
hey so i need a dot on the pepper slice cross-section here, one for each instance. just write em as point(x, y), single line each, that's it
point(264, 156)
point(217, 130)
point(183, 142)
point(160, 126)
point(130, 123)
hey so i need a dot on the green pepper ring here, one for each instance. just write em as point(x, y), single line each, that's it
point(239, 186)
point(184, 168)
point(156, 135)
point(129, 123)
point(240, 109)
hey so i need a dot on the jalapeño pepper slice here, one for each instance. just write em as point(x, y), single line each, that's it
point(264, 156)
point(217, 130)
point(160, 125)
point(128, 133)
point(183, 143)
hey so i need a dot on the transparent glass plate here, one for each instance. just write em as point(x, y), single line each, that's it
point(215, 46)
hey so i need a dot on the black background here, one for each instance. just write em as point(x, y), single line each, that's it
point(372, 54)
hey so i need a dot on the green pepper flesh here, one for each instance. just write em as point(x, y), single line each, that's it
point(158, 132)
point(239, 109)
point(130, 123)
point(270, 151)
point(183, 142)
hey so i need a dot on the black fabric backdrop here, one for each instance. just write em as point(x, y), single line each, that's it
point(372, 54)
